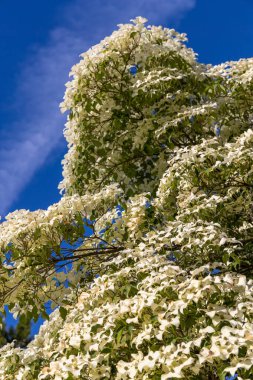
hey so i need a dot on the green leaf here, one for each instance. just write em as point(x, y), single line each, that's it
point(63, 312)
point(119, 335)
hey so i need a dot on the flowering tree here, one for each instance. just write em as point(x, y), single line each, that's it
point(147, 258)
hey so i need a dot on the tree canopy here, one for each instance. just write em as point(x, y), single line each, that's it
point(147, 258)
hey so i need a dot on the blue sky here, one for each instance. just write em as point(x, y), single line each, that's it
point(40, 41)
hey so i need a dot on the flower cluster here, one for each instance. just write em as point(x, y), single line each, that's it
point(147, 318)
point(147, 258)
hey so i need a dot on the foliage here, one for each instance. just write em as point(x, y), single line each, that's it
point(148, 255)
point(20, 334)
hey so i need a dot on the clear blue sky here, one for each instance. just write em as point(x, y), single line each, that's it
point(41, 40)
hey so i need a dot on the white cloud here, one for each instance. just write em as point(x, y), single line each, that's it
point(38, 130)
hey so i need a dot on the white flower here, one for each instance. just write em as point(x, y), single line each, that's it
point(149, 361)
point(75, 341)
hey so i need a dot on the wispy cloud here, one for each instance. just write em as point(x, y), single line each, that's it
point(38, 130)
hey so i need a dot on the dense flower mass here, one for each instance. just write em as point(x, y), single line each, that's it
point(147, 258)
point(146, 319)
